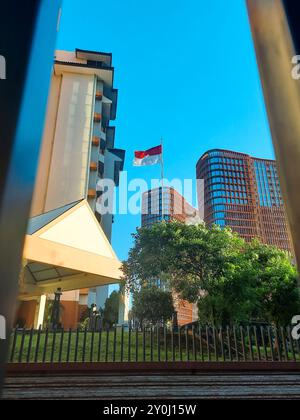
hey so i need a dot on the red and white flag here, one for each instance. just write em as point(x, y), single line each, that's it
point(148, 157)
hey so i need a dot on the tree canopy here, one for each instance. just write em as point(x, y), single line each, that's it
point(152, 305)
point(229, 279)
point(111, 309)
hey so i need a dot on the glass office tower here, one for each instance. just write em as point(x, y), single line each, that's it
point(243, 192)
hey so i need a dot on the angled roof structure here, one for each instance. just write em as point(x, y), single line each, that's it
point(67, 248)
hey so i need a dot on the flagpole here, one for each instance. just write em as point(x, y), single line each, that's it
point(162, 178)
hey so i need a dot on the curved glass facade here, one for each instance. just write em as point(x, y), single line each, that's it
point(243, 193)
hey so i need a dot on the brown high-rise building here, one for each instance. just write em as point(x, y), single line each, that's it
point(243, 192)
point(167, 206)
point(170, 206)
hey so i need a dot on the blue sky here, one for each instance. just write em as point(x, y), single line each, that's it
point(185, 71)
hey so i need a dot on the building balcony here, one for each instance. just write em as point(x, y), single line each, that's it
point(97, 117)
point(96, 141)
point(93, 166)
point(92, 193)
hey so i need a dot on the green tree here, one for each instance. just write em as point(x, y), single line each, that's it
point(274, 278)
point(152, 305)
point(188, 256)
point(111, 309)
point(231, 280)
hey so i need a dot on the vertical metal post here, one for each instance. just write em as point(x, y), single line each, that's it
point(270, 336)
point(29, 345)
point(115, 344)
point(222, 345)
point(291, 341)
point(76, 345)
point(45, 345)
point(250, 344)
point(262, 332)
point(277, 38)
point(69, 345)
point(92, 343)
point(122, 343)
point(201, 344)
point(151, 343)
point(243, 343)
point(12, 354)
point(257, 343)
point(207, 344)
point(187, 350)
point(129, 344)
point(107, 345)
point(53, 345)
point(22, 345)
point(173, 344)
point(61, 345)
point(179, 344)
point(215, 344)
point(229, 344)
point(144, 344)
point(158, 343)
point(99, 344)
point(237, 355)
point(136, 344)
point(162, 178)
point(38, 341)
point(194, 343)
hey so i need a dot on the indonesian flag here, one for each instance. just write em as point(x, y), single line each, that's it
point(148, 157)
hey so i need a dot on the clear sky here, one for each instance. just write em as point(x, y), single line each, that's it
point(185, 70)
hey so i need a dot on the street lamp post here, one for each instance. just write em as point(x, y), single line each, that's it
point(55, 317)
point(94, 317)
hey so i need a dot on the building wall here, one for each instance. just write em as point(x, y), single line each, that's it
point(65, 153)
point(40, 190)
point(174, 205)
point(185, 311)
point(25, 314)
point(69, 169)
point(70, 314)
point(70, 309)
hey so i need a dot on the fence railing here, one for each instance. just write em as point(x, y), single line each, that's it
point(155, 344)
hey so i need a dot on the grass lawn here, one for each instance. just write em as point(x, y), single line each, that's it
point(107, 347)
point(98, 347)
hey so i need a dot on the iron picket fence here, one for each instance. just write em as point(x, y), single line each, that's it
point(202, 343)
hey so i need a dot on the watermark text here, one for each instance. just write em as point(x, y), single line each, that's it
point(2, 67)
point(296, 327)
point(2, 328)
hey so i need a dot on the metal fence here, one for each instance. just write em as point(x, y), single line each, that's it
point(155, 344)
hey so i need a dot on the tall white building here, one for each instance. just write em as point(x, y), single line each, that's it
point(78, 150)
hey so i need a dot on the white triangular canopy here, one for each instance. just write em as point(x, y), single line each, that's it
point(67, 248)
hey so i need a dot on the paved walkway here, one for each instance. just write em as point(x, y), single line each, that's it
point(175, 386)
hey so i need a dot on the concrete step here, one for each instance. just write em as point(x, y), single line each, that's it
point(157, 386)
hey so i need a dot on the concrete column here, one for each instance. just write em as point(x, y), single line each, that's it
point(124, 304)
point(275, 53)
point(40, 311)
